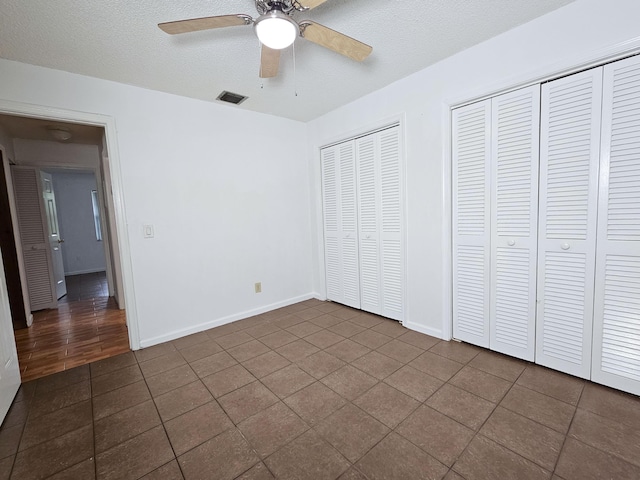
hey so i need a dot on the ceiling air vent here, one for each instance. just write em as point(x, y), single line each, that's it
point(231, 97)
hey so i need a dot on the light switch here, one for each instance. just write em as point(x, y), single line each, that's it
point(147, 231)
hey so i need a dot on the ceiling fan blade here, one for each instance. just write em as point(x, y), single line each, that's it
point(269, 62)
point(205, 23)
point(335, 41)
point(309, 4)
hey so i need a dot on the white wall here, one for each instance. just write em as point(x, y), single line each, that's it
point(548, 45)
point(81, 251)
point(226, 189)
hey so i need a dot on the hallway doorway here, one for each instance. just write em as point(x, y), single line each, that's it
point(87, 326)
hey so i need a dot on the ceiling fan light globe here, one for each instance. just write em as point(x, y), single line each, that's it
point(275, 30)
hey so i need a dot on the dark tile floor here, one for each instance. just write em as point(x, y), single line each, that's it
point(318, 391)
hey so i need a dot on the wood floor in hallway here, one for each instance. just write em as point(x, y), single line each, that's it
point(87, 326)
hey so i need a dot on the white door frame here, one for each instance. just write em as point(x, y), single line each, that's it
point(109, 125)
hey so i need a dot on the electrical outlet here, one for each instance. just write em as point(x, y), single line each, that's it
point(258, 287)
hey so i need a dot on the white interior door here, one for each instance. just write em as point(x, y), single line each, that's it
point(616, 335)
point(53, 231)
point(471, 222)
point(340, 224)
point(9, 368)
point(515, 143)
point(34, 237)
point(569, 160)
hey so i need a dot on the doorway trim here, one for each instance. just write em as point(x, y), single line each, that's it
point(108, 123)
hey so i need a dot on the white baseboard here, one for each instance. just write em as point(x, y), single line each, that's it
point(149, 342)
point(434, 332)
point(82, 272)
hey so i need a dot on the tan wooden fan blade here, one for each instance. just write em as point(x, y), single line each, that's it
point(335, 41)
point(269, 62)
point(204, 23)
point(311, 3)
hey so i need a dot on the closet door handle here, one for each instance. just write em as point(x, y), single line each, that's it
point(511, 242)
point(368, 236)
point(348, 235)
point(565, 246)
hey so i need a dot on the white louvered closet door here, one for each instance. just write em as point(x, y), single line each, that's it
point(34, 238)
point(569, 159)
point(340, 224)
point(379, 174)
point(515, 142)
point(471, 222)
point(616, 336)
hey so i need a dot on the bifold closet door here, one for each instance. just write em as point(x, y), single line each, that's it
point(569, 159)
point(340, 223)
point(471, 137)
point(515, 142)
point(616, 335)
point(379, 180)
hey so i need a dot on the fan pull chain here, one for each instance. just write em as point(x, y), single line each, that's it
point(295, 80)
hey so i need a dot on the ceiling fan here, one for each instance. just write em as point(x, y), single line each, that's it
point(276, 29)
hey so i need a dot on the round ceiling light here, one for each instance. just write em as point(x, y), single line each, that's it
point(59, 133)
point(276, 30)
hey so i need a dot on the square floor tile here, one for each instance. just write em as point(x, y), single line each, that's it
point(620, 439)
point(371, 339)
point(400, 351)
point(613, 404)
point(247, 401)
point(351, 431)
point(309, 314)
point(462, 406)
point(456, 351)
point(349, 382)
point(394, 458)
point(315, 402)
point(417, 339)
point(297, 350)
point(525, 437)
point(10, 440)
point(287, 381)
point(582, 462)
point(480, 383)
point(248, 350)
point(346, 329)
point(367, 320)
point(47, 427)
point(540, 408)
point(169, 471)
point(228, 380)
point(308, 457)
point(436, 366)
point(150, 353)
point(124, 425)
point(191, 340)
point(262, 330)
point(85, 470)
point(272, 428)
point(304, 329)
point(62, 379)
point(60, 398)
point(347, 350)
point(53, 456)
point(212, 364)
point(436, 434)
point(263, 365)
point(233, 339)
point(390, 328)
point(197, 426)
point(320, 364)
point(223, 457)
point(258, 472)
point(181, 400)
point(414, 383)
point(161, 364)
point(555, 384)
point(112, 364)
point(278, 339)
point(167, 381)
point(117, 379)
point(386, 404)
point(499, 365)
point(120, 399)
point(201, 350)
point(377, 365)
point(326, 320)
point(486, 460)
point(324, 339)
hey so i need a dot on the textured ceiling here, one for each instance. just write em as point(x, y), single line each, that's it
point(119, 40)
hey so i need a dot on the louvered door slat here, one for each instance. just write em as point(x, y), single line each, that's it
point(35, 248)
point(569, 157)
point(471, 222)
point(616, 336)
point(340, 224)
point(514, 213)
